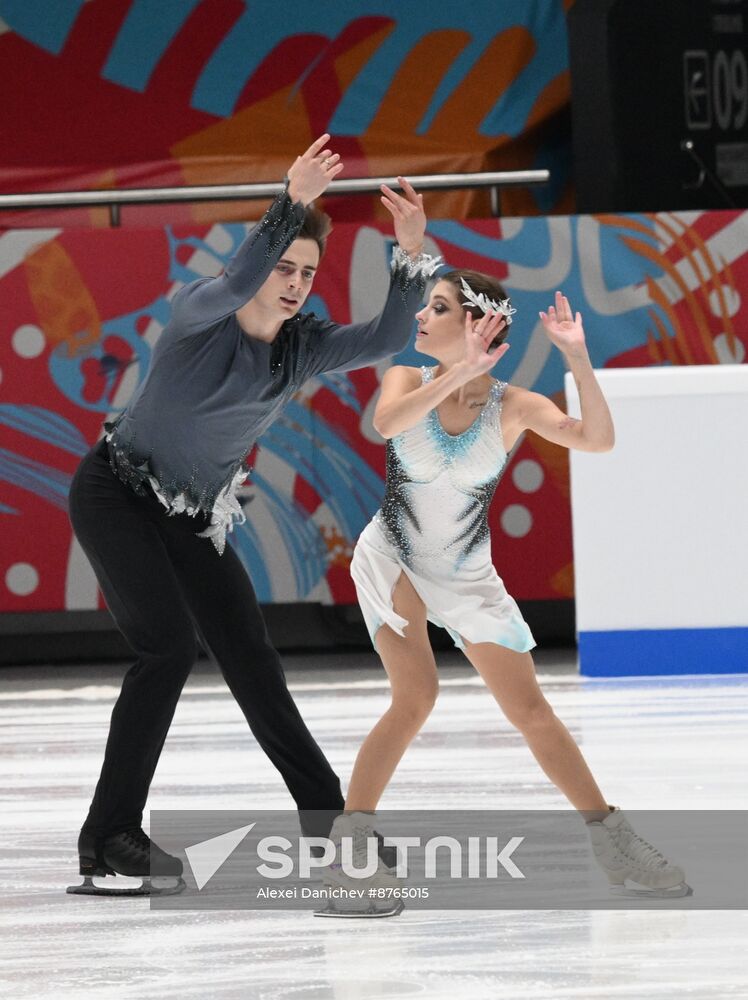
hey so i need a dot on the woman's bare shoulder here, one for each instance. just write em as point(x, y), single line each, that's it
point(516, 397)
point(402, 375)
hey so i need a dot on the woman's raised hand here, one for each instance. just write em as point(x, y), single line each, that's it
point(312, 171)
point(563, 329)
point(409, 216)
point(478, 359)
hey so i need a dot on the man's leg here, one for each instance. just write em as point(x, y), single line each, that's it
point(118, 532)
point(223, 604)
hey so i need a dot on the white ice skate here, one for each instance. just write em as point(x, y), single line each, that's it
point(373, 896)
point(624, 856)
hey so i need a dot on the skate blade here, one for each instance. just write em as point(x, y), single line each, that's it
point(331, 911)
point(165, 885)
point(635, 891)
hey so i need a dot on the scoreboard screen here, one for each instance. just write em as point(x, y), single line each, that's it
point(659, 104)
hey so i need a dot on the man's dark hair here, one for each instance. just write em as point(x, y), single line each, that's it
point(317, 226)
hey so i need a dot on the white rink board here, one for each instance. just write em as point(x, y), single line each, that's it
point(660, 523)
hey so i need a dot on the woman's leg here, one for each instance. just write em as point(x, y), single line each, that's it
point(413, 678)
point(511, 679)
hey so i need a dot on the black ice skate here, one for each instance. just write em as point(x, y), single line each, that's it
point(130, 853)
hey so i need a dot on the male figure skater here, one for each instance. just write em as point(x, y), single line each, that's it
point(151, 504)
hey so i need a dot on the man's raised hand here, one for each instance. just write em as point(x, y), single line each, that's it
point(409, 216)
point(311, 172)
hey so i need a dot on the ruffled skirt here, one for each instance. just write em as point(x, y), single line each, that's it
point(471, 602)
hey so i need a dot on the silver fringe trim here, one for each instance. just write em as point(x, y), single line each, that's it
point(225, 513)
point(422, 267)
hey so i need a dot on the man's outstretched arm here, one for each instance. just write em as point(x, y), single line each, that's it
point(355, 345)
point(345, 347)
point(209, 300)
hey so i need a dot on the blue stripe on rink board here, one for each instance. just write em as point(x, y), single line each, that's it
point(649, 652)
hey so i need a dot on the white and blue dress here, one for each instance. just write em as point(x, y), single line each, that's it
point(433, 526)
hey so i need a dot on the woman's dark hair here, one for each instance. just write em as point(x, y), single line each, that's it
point(317, 226)
point(481, 284)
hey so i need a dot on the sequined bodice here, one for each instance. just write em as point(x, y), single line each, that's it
point(440, 485)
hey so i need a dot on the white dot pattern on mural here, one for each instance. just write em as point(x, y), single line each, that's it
point(528, 475)
point(726, 354)
point(28, 341)
point(731, 299)
point(516, 520)
point(22, 579)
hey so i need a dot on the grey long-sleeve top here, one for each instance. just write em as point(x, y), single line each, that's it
point(211, 390)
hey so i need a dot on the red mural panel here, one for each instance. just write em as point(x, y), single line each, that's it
point(83, 309)
point(120, 94)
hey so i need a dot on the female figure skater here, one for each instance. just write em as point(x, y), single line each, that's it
point(151, 504)
point(426, 554)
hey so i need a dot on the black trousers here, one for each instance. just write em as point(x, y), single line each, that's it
point(164, 586)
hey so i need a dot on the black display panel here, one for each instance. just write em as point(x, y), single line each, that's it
point(649, 77)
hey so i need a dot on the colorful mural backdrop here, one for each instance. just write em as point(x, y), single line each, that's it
point(82, 310)
point(133, 93)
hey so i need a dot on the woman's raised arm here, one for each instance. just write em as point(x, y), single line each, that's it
point(594, 432)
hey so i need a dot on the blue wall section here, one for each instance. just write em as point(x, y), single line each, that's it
point(648, 652)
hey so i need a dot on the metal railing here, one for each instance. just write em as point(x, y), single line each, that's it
point(114, 199)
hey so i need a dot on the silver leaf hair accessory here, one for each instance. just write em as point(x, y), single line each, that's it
point(483, 302)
